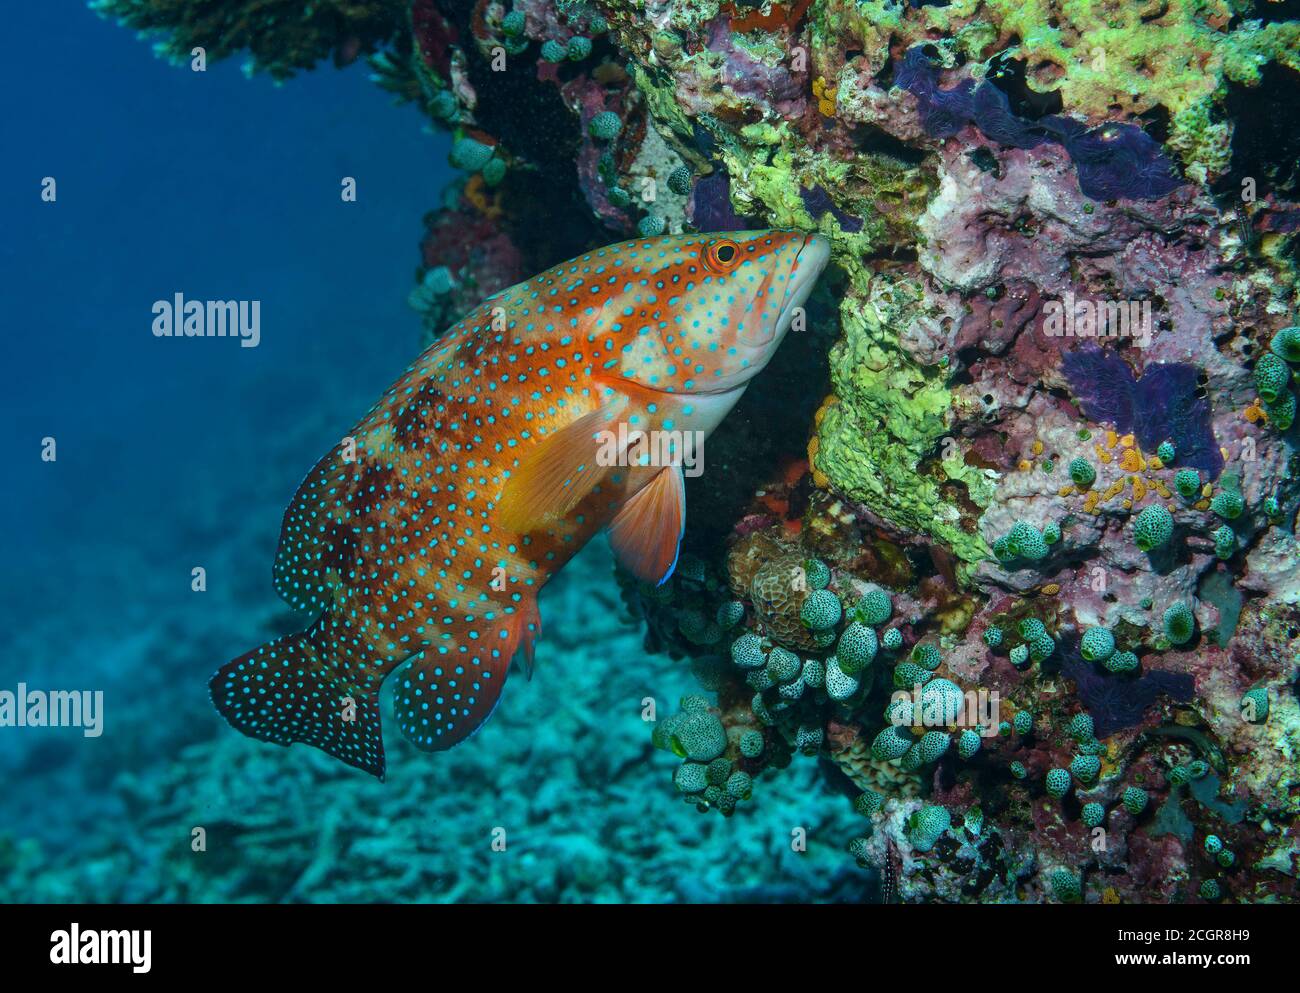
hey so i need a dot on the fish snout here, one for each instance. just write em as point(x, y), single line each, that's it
point(809, 261)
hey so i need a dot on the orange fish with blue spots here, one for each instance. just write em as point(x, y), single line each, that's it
point(558, 408)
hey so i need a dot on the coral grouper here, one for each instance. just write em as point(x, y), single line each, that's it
point(422, 540)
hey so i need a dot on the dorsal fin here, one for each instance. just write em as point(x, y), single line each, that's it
point(555, 475)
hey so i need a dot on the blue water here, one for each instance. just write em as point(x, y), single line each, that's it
point(174, 454)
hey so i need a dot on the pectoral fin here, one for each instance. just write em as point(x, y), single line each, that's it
point(647, 532)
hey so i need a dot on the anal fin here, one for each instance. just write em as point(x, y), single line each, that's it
point(446, 692)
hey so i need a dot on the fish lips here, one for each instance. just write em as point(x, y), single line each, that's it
point(808, 266)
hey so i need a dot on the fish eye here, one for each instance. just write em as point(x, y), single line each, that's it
point(722, 256)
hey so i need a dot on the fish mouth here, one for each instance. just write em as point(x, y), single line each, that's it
point(808, 266)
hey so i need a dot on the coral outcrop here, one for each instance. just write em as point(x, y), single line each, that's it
point(1007, 547)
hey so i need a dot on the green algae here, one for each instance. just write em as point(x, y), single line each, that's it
point(888, 414)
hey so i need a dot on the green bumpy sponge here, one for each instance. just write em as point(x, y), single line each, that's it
point(792, 690)
point(909, 674)
point(840, 685)
point(513, 23)
point(1031, 628)
point(821, 610)
point(1058, 782)
point(1081, 727)
point(1179, 623)
point(699, 736)
point(691, 777)
point(1188, 483)
point(1066, 885)
point(868, 802)
point(1026, 541)
point(1085, 768)
point(1281, 412)
point(814, 674)
point(747, 651)
point(1121, 662)
point(679, 180)
point(605, 126)
point(783, 665)
point(443, 105)
point(751, 744)
point(817, 573)
point(891, 743)
point(651, 226)
point(1041, 647)
point(857, 647)
point(1228, 504)
point(1097, 645)
point(1225, 542)
point(1286, 344)
point(809, 738)
point(1271, 377)
point(1254, 705)
point(1082, 473)
point(932, 746)
point(927, 656)
point(729, 614)
point(739, 785)
point(494, 171)
point(470, 155)
point(1135, 800)
point(899, 712)
point(926, 826)
point(874, 608)
point(1153, 527)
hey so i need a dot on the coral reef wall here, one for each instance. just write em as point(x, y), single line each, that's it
point(1006, 540)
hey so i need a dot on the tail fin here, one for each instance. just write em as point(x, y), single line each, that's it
point(289, 691)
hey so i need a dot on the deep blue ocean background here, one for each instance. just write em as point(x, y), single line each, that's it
point(180, 453)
